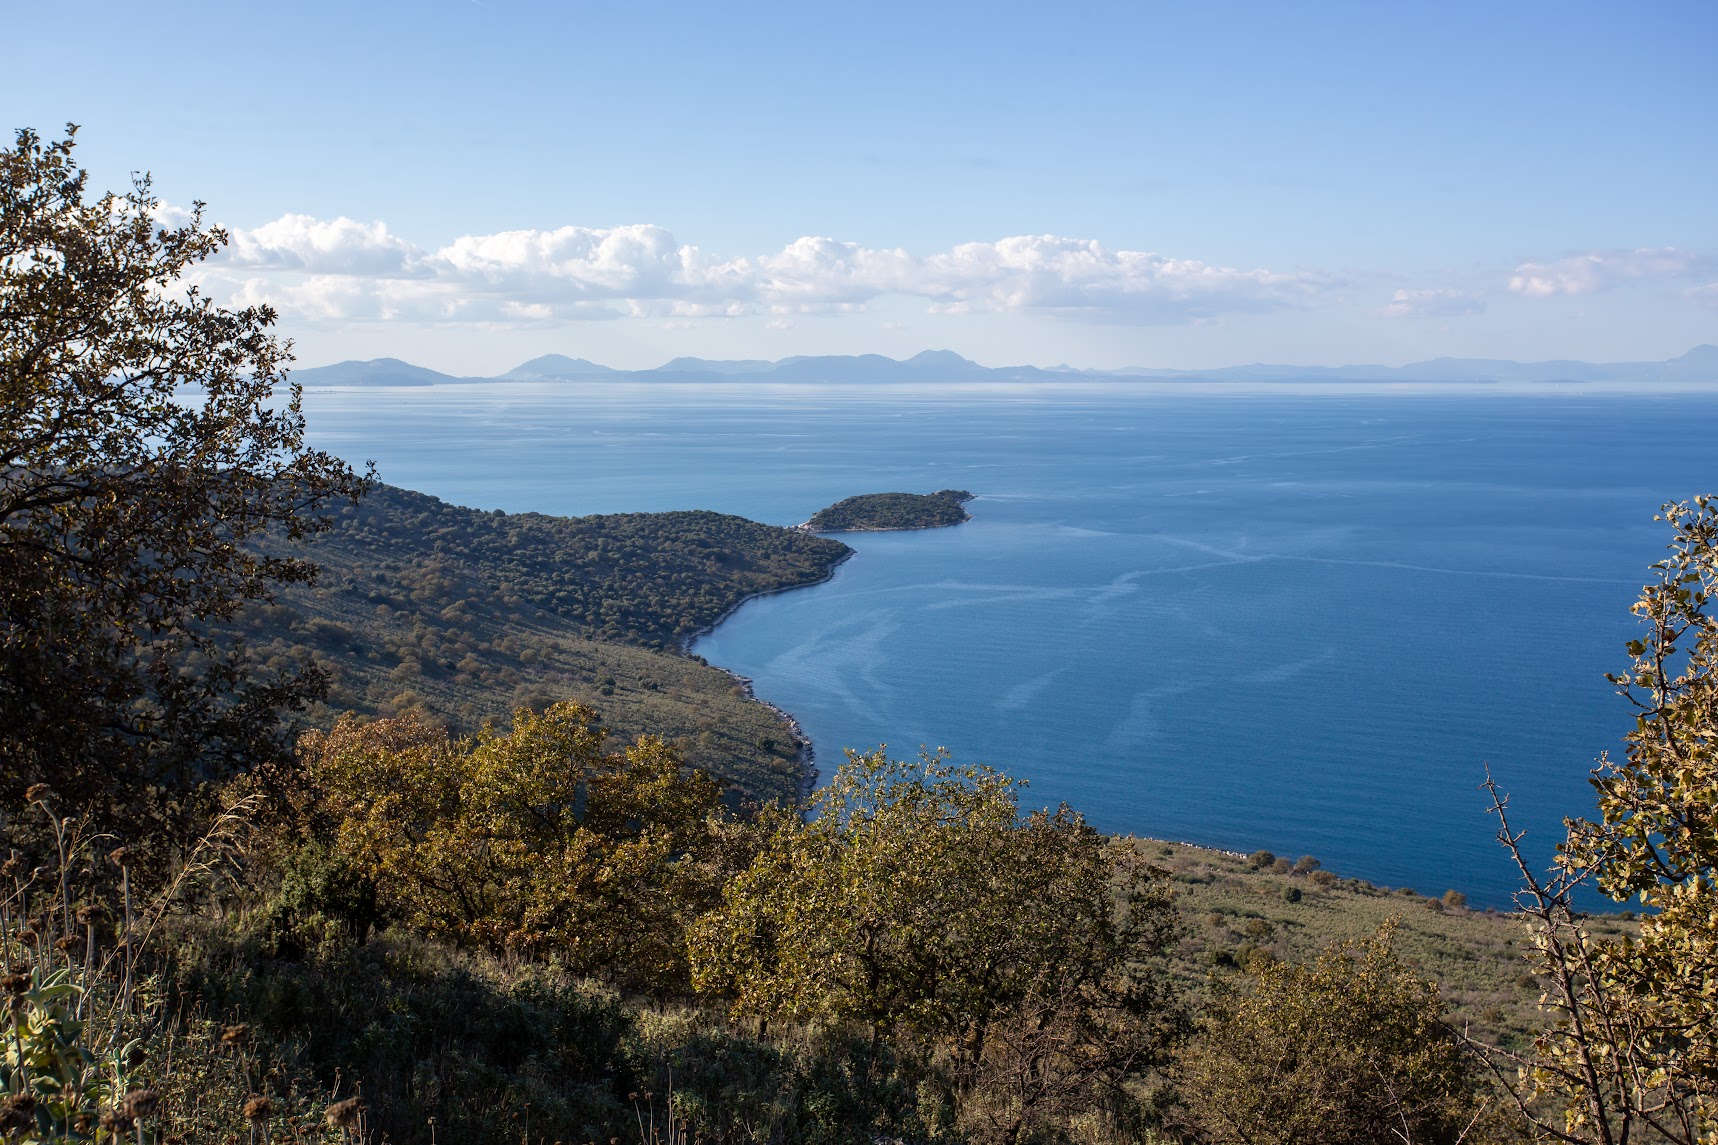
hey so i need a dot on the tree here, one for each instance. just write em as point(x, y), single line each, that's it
point(533, 842)
point(1015, 951)
point(146, 435)
point(1351, 1050)
point(1632, 1049)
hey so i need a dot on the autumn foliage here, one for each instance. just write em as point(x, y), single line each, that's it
point(538, 841)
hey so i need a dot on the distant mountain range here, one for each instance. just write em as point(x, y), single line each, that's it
point(1698, 365)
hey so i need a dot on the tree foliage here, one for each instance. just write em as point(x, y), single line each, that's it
point(1633, 1046)
point(145, 434)
point(919, 902)
point(536, 841)
point(870, 512)
point(1350, 1050)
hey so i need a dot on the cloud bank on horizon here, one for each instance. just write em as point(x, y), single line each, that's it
point(342, 270)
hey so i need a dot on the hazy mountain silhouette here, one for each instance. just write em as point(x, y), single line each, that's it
point(1698, 365)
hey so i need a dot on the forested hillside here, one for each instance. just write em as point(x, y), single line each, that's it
point(467, 615)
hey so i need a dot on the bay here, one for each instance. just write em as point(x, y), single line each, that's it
point(1297, 618)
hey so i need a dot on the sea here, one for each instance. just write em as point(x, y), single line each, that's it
point(1309, 619)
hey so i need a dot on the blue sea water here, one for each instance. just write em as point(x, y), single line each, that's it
point(1296, 618)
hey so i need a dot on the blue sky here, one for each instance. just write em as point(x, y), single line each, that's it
point(468, 184)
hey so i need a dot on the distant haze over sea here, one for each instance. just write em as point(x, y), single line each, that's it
point(1698, 365)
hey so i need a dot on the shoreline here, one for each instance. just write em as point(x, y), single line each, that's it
point(806, 755)
point(805, 527)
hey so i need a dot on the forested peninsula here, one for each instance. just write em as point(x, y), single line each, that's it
point(422, 606)
point(882, 512)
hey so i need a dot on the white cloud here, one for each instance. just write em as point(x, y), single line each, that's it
point(1433, 304)
point(1046, 272)
point(1602, 270)
point(1704, 295)
point(314, 246)
point(342, 269)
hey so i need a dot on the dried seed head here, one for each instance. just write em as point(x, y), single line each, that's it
point(15, 983)
point(69, 942)
point(344, 1114)
point(90, 915)
point(258, 1109)
point(17, 1113)
point(139, 1103)
point(29, 937)
point(135, 1056)
point(11, 866)
point(37, 792)
point(233, 1035)
point(117, 856)
point(115, 1122)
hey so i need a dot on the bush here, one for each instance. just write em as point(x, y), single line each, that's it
point(1018, 953)
point(1351, 1050)
point(535, 842)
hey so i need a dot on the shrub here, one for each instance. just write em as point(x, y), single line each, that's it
point(1016, 951)
point(533, 842)
point(1351, 1050)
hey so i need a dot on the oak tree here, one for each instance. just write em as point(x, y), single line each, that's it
point(147, 437)
point(538, 841)
point(1016, 951)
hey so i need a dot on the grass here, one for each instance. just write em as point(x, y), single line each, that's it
point(1479, 958)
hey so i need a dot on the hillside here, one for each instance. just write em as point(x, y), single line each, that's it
point(1231, 909)
point(467, 614)
point(879, 512)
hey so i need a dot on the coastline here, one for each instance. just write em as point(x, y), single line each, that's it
point(806, 756)
point(805, 527)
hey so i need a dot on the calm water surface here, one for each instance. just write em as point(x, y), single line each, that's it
point(1297, 619)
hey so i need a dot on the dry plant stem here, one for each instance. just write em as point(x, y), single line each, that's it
point(218, 844)
point(1621, 1098)
point(1547, 906)
point(130, 949)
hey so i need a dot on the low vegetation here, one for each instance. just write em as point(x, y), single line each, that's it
point(877, 512)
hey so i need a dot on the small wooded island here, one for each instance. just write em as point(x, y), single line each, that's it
point(879, 512)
